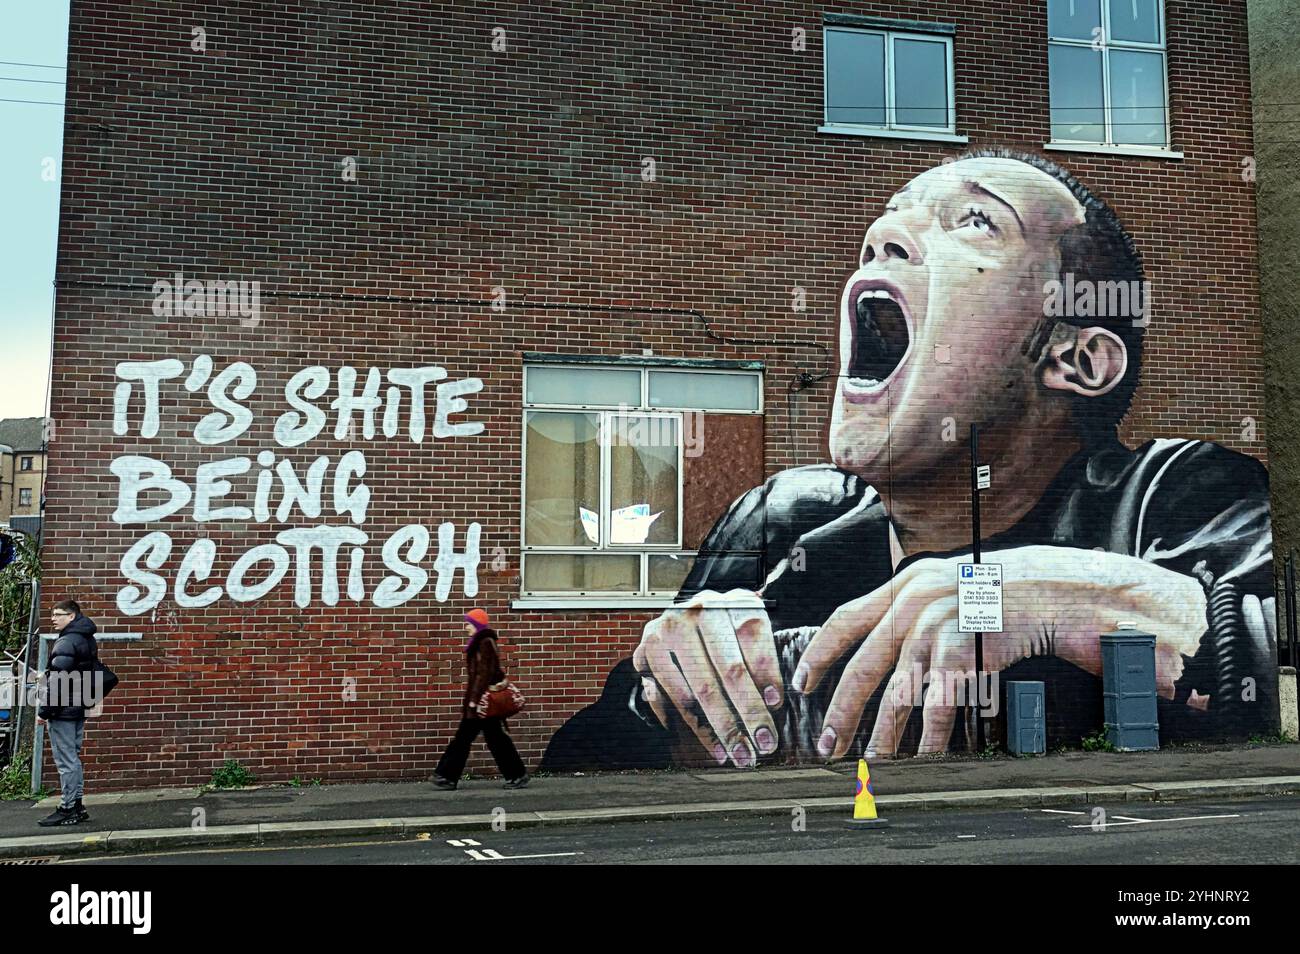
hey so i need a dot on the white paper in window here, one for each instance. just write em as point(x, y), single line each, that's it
point(631, 524)
point(590, 524)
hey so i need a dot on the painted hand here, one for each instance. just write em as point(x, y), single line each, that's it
point(714, 660)
point(1055, 598)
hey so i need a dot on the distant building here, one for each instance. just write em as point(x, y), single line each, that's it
point(22, 467)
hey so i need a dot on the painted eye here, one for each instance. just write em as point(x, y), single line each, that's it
point(979, 221)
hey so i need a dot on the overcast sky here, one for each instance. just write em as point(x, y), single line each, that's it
point(36, 32)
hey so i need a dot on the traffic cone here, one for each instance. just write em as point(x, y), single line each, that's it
point(864, 801)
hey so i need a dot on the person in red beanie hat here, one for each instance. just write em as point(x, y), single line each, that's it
point(483, 668)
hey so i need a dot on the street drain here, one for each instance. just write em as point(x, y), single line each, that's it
point(28, 861)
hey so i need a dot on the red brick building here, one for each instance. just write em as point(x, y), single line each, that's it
point(286, 224)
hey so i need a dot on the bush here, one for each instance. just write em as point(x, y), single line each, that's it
point(16, 592)
point(16, 778)
point(1097, 742)
point(232, 775)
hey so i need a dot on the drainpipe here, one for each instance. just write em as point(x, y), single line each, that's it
point(6, 449)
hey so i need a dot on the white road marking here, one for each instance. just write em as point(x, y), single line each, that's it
point(965, 836)
point(461, 842)
point(1060, 811)
point(489, 854)
point(1153, 821)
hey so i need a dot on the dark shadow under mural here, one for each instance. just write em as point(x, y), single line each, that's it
point(820, 618)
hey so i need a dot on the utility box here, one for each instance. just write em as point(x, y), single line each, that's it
point(1128, 674)
point(1026, 718)
point(8, 690)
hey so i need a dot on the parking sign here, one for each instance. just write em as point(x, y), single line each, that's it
point(979, 597)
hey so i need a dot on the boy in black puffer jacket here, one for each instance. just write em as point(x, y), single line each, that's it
point(63, 715)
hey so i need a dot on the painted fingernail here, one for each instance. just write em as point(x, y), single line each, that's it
point(826, 744)
point(741, 755)
point(800, 677)
point(719, 753)
point(771, 696)
point(766, 743)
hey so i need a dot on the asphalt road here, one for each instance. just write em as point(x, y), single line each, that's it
point(1246, 831)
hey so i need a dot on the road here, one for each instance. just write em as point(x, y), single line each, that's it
point(1245, 831)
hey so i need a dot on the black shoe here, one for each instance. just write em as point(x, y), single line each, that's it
point(440, 782)
point(63, 816)
point(82, 814)
point(520, 782)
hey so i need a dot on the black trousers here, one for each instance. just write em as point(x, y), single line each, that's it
point(499, 743)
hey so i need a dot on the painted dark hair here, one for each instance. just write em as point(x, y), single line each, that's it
point(1099, 250)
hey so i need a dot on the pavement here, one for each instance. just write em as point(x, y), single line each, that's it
point(191, 818)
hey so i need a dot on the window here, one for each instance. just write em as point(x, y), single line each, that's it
point(610, 457)
point(888, 82)
point(25, 464)
point(1106, 64)
point(25, 497)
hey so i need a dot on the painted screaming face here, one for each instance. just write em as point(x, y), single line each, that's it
point(934, 321)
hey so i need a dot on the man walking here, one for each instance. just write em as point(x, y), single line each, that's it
point(64, 714)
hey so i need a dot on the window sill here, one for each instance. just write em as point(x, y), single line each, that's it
point(871, 132)
point(606, 603)
point(1100, 149)
point(592, 602)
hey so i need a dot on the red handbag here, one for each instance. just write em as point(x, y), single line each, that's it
point(501, 701)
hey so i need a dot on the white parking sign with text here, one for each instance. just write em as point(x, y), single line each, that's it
point(979, 597)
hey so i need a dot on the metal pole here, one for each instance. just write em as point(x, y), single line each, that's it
point(33, 615)
point(1290, 609)
point(975, 554)
point(38, 742)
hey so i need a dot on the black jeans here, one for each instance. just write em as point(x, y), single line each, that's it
point(499, 742)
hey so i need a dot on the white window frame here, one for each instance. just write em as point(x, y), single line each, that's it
point(645, 370)
point(1107, 44)
point(25, 497)
point(643, 596)
point(892, 129)
point(26, 464)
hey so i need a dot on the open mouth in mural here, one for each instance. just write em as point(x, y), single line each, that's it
point(880, 335)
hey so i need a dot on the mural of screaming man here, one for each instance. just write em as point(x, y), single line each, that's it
point(820, 618)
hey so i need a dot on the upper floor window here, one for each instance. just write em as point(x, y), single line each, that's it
point(621, 468)
point(1106, 60)
point(26, 464)
point(888, 81)
point(25, 497)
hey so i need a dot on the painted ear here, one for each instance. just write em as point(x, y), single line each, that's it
point(1091, 364)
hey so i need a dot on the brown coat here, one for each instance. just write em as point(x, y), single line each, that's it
point(483, 668)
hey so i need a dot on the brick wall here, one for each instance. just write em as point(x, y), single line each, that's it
point(519, 169)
